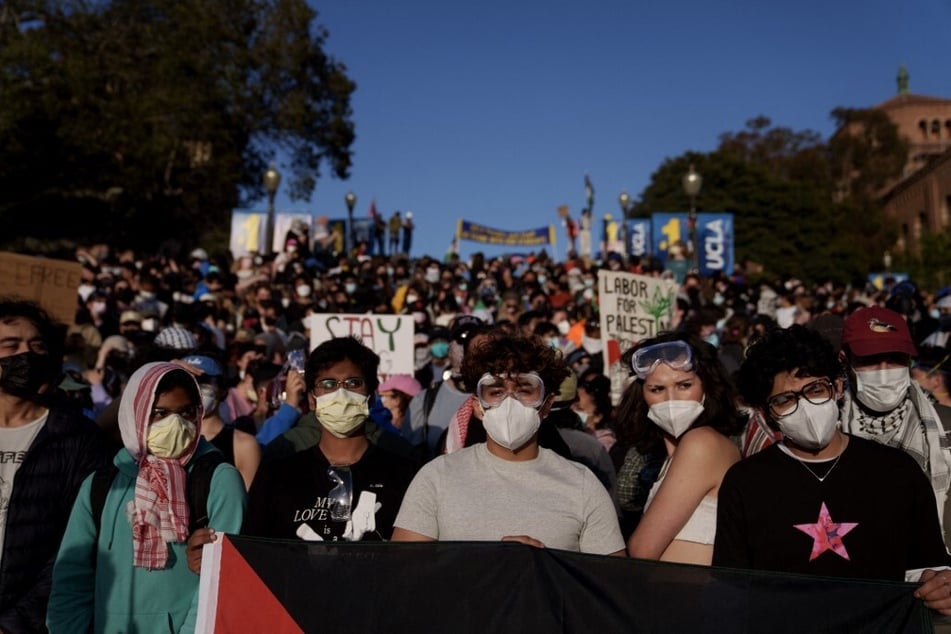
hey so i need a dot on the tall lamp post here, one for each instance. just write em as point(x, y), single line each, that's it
point(692, 182)
point(272, 180)
point(625, 202)
point(351, 200)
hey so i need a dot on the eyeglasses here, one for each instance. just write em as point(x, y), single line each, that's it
point(189, 413)
point(353, 384)
point(341, 495)
point(529, 389)
point(785, 403)
point(676, 354)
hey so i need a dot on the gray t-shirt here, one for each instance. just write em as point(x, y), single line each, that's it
point(472, 495)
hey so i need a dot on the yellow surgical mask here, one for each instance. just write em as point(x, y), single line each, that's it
point(170, 437)
point(342, 411)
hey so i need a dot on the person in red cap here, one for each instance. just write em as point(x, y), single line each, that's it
point(884, 404)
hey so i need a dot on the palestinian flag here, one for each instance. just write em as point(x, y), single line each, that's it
point(277, 586)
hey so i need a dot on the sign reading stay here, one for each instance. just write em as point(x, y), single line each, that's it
point(390, 336)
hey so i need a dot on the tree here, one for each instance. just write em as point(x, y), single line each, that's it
point(161, 112)
point(781, 187)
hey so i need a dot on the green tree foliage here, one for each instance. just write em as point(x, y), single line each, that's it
point(784, 191)
point(162, 113)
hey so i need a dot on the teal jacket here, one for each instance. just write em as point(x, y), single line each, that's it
point(96, 588)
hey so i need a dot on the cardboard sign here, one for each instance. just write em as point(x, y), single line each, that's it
point(390, 336)
point(633, 307)
point(53, 284)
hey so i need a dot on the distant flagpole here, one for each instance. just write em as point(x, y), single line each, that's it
point(589, 192)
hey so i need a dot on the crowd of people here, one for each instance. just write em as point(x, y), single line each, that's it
point(776, 426)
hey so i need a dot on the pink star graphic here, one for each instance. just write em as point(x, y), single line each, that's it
point(827, 535)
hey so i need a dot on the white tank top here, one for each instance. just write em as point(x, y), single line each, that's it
point(701, 528)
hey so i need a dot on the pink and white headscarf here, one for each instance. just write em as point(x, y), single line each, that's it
point(159, 511)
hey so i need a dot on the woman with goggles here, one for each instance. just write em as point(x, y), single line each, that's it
point(681, 400)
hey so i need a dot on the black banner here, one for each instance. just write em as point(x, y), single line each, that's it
point(496, 587)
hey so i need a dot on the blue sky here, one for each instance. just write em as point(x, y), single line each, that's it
point(494, 111)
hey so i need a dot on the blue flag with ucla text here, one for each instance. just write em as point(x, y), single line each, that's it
point(714, 237)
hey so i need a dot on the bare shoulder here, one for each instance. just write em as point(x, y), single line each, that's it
point(244, 439)
point(709, 443)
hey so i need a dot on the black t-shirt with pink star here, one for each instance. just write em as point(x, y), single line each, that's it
point(873, 516)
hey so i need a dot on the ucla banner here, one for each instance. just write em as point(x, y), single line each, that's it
point(714, 235)
point(289, 586)
point(487, 235)
point(638, 238)
point(248, 232)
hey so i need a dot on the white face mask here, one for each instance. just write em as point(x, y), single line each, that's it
point(564, 327)
point(811, 426)
point(675, 417)
point(511, 424)
point(882, 390)
point(303, 290)
point(411, 299)
point(591, 344)
point(209, 399)
point(342, 411)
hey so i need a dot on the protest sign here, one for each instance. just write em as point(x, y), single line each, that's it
point(390, 336)
point(632, 307)
point(53, 284)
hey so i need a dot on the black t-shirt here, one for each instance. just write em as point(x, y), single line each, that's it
point(873, 517)
point(224, 441)
point(293, 491)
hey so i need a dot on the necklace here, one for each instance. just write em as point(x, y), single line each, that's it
point(816, 475)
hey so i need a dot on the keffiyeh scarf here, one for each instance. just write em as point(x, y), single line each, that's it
point(912, 427)
point(158, 512)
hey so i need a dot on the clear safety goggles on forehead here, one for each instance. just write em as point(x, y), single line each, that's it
point(676, 354)
point(528, 389)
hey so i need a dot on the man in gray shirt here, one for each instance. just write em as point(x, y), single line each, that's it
point(509, 488)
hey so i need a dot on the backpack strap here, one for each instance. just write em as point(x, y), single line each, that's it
point(428, 401)
point(101, 482)
point(199, 486)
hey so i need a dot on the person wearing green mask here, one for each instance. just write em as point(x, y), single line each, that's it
point(346, 488)
point(134, 567)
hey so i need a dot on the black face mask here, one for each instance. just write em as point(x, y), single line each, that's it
point(944, 323)
point(22, 374)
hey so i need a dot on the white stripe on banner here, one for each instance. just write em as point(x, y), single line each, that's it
point(208, 587)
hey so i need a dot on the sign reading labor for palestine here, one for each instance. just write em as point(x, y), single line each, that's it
point(53, 284)
point(632, 307)
point(390, 336)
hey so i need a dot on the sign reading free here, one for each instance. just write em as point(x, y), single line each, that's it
point(390, 336)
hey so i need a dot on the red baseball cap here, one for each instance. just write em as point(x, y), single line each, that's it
point(876, 330)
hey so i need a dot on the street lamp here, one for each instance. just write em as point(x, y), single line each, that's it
point(272, 180)
point(692, 182)
point(625, 201)
point(351, 200)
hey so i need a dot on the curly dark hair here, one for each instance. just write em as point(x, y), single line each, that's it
point(719, 408)
point(500, 353)
point(340, 349)
point(783, 350)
